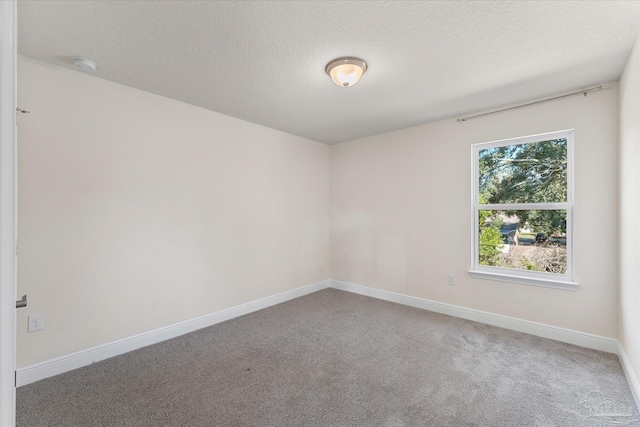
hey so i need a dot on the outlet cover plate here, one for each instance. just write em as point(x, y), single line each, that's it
point(36, 322)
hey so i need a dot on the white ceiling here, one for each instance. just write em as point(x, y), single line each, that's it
point(264, 61)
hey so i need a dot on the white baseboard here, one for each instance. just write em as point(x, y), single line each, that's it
point(78, 359)
point(609, 345)
point(632, 379)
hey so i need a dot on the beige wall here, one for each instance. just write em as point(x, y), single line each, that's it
point(629, 175)
point(137, 211)
point(401, 215)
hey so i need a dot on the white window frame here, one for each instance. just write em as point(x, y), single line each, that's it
point(536, 278)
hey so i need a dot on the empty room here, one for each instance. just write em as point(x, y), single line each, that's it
point(319, 213)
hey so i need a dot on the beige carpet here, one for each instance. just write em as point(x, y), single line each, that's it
point(337, 359)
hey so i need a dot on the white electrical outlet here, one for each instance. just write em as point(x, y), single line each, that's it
point(36, 322)
point(451, 279)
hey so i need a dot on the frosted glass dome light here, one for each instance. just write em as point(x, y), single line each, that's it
point(346, 72)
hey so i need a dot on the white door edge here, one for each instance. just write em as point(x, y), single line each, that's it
point(8, 209)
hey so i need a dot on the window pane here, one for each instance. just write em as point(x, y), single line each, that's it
point(524, 173)
point(533, 240)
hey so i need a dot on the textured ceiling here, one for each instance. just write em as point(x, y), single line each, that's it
point(264, 61)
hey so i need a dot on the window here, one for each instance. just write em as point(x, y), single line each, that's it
point(522, 210)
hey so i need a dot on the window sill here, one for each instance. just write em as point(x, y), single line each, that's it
point(533, 281)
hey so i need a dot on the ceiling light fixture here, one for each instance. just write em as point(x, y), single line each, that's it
point(84, 64)
point(346, 72)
